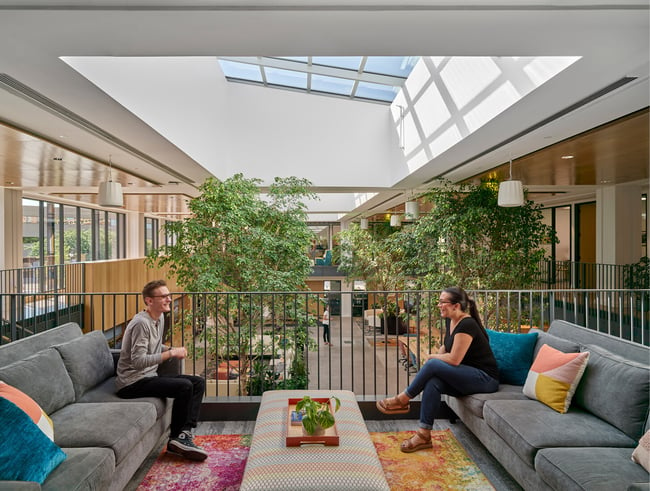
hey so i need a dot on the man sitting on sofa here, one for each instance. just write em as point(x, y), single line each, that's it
point(142, 351)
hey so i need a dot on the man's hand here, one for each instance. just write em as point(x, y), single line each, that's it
point(178, 352)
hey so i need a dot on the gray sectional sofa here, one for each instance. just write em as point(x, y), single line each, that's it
point(590, 446)
point(71, 375)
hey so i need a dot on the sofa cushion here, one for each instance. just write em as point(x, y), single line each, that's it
point(556, 342)
point(84, 469)
point(43, 377)
point(616, 390)
point(26, 453)
point(84, 425)
point(29, 407)
point(513, 353)
point(475, 402)
point(641, 454)
point(88, 360)
point(105, 392)
point(527, 426)
point(593, 468)
point(554, 376)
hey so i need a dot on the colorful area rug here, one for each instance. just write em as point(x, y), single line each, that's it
point(446, 466)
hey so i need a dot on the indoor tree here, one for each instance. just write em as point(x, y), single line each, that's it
point(237, 241)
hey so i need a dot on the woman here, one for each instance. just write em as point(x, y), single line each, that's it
point(463, 365)
point(326, 326)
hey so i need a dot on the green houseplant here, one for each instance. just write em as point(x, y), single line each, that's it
point(317, 415)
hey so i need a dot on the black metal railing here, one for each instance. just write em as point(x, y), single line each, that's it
point(246, 342)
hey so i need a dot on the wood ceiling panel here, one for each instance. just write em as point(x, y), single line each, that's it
point(614, 153)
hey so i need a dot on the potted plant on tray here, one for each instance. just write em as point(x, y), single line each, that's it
point(317, 416)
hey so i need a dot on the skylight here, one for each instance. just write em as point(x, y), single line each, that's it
point(368, 78)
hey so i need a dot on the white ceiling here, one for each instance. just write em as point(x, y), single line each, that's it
point(611, 37)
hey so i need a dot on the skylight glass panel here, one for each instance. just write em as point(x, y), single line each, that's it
point(241, 71)
point(286, 78)
point(300, 59)
point(347, 62)
point(377, 92)
point(398, 66)
point(331, 85)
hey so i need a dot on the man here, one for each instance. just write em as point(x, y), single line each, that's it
point(142, 351)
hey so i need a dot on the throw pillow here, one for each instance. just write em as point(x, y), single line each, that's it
point(514, 355)
point(641, 454)
point(554, 376)
point(30, 407)
point(88, 360)
point(26, 454)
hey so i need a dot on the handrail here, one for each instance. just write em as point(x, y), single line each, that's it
point(247, 342)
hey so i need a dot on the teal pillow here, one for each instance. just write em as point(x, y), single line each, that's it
point(514, 355)
point(26, 453)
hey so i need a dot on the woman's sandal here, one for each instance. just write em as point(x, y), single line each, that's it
point(392, 406)
point(408, 446)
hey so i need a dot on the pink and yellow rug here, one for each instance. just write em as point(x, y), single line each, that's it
point(445, 466)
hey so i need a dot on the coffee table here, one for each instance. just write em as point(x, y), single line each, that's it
point(272, 465)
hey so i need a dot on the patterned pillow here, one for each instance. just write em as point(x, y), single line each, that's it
point(554, 376)
point(513, 353)
point(30, 407)
point(641, 454)
point(26, 454)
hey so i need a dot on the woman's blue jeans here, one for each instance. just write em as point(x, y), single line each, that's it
point(437, 377)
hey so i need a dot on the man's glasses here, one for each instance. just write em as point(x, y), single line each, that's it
point(169, 295)
point(444, 301)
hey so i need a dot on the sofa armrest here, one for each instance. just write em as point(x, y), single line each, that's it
point(115, 353)
point(173, 366)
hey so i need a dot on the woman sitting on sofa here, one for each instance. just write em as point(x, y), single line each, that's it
point(463, 365)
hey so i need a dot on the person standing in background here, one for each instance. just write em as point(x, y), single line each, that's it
point(326, 326)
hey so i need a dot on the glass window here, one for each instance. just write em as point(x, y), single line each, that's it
point(85, 234)
point(111, 239)
point(31, 231)
point(399, 66)
point(150, 234)
point(378, 92)
point(51, 243)
point(241, 71)
point(286, 78)
point(71, 239)
point(347, 62)
point(331, 85)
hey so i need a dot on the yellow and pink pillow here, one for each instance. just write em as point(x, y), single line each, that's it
point(554, 376)
point(30, 407)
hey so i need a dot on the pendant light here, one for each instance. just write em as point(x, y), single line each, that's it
point(511, 192)
point(411, 210)
point(110, 192)
point(395, 220)
point(363, 224)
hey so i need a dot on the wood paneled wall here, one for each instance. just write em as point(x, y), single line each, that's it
point(118, 276)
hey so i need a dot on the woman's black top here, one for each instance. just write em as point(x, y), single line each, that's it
point(479, 354)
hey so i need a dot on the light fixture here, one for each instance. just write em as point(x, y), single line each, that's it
point(110, 192)
point(395, 220)
point(363, 224)
point(411, 210)
point(511, 193)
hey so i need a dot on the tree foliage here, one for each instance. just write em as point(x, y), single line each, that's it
point(237, 241)
point(468, 240)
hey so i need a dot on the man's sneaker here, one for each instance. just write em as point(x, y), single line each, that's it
point(184, 445)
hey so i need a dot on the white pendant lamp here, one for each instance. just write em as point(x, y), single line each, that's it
point(411, 210)
point(110, 192)
point(363, 224)
point(511, 193)
point(395, 221)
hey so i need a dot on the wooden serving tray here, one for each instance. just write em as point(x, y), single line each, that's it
point(295, 436)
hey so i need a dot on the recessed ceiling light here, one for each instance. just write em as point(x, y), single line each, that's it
point(566, 157)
